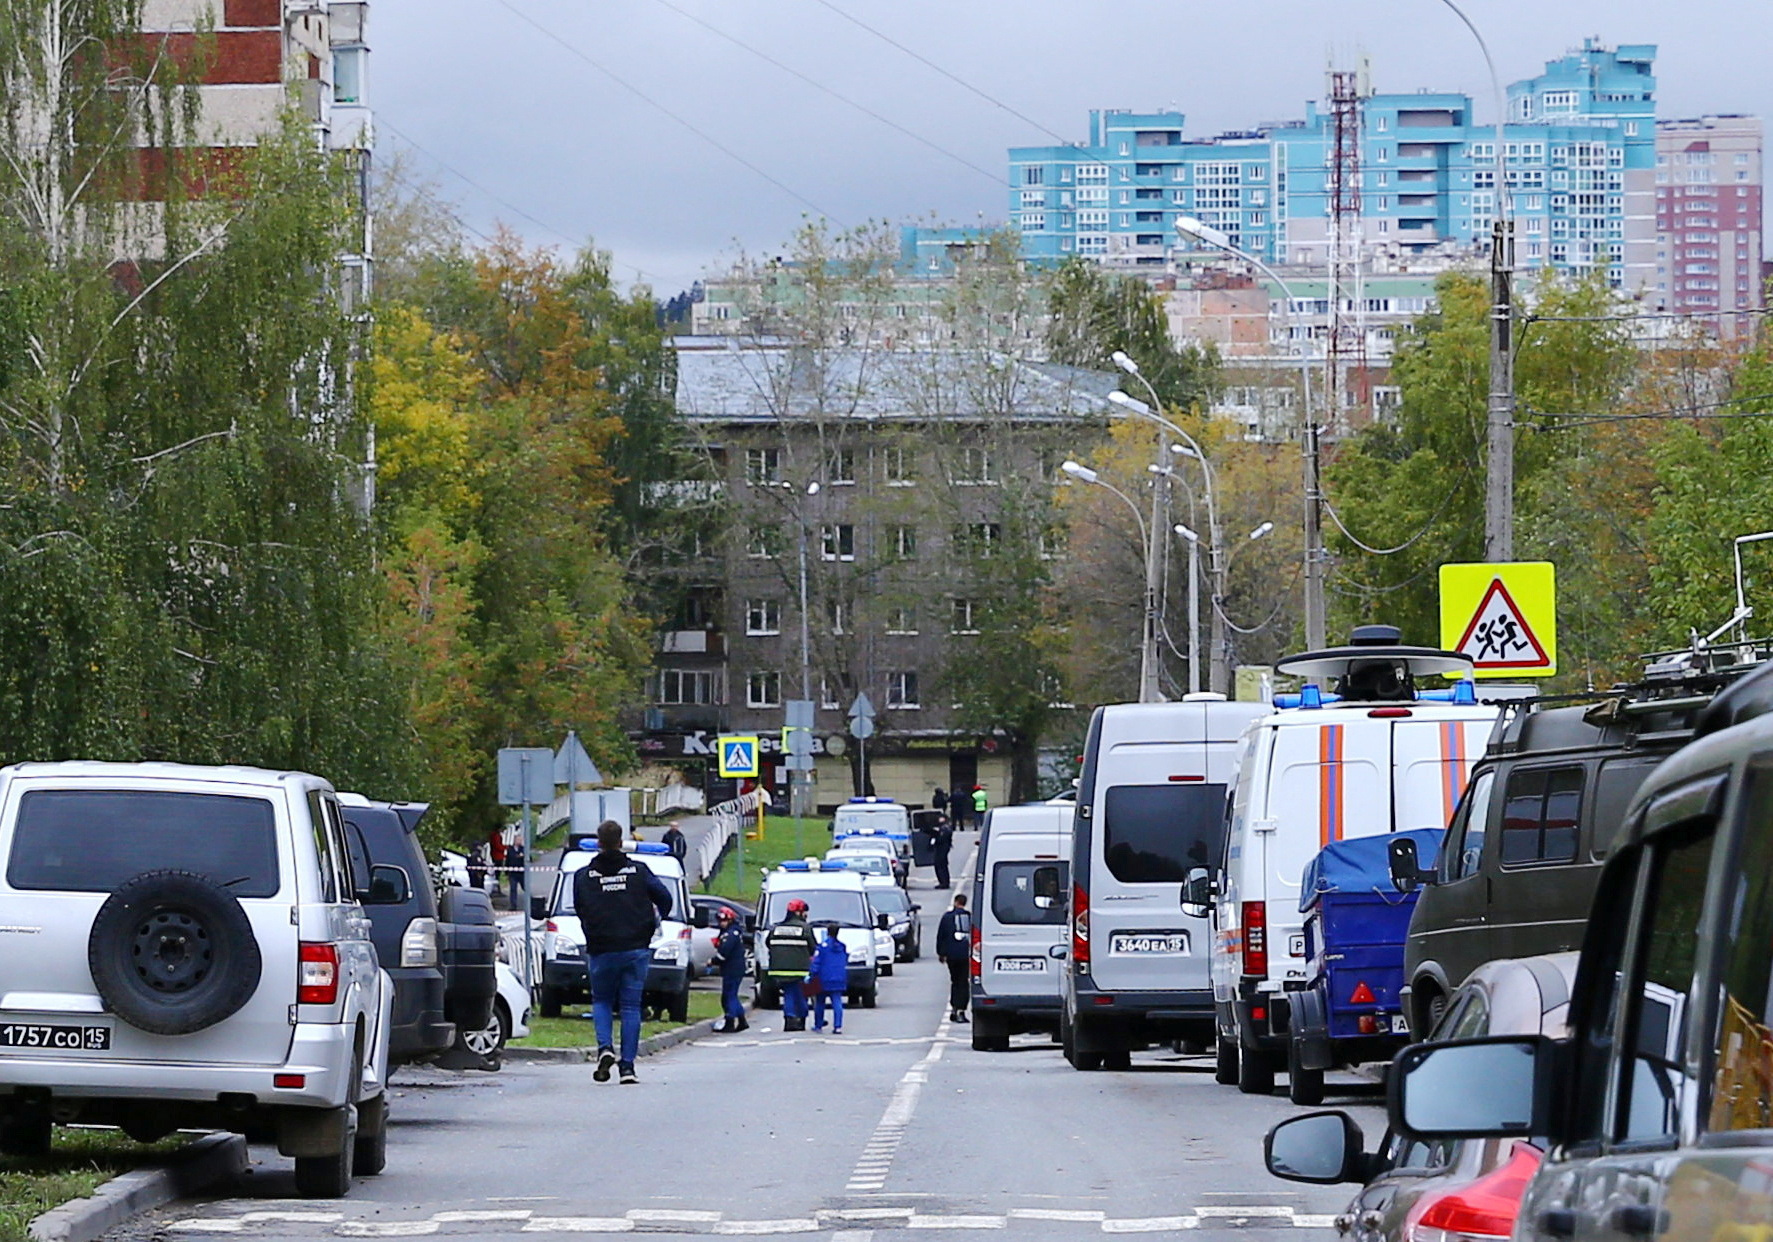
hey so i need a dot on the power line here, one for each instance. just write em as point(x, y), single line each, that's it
point(1637, 315)
point(447, 167)
point(864, 109)
point(954, 78)
point(1427, 526)
point(693, 128)
point(1691, 411)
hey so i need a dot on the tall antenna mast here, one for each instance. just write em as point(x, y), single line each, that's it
point(1349, 384)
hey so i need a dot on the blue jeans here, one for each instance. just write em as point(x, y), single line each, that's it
point(618, 979)
point(729, 996)
point(836, 1000)
point(793, 998)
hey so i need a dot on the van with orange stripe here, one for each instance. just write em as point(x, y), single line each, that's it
point(1360, 751)
point(1521, 858)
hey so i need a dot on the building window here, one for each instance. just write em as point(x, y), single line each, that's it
point(976, 538)
point(975, 467)
point(837, 542)
point(1033, 176)
point(763, 689)
point(837, 615)
point(347, 74)
point(905, 542)
point(1053, 544)
point(962, 621)
point(1381, 124)
point(1034, 221)
point(1092, 174)
point(902, 619)
point(840, 466)
point(763, 466)
point(681, 686)
point(765, 540)
point(902, 690)
point(763, 617)
point(1557, 101)
point(895, 466)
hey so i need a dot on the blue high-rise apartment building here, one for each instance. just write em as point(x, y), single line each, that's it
point(1578, 150)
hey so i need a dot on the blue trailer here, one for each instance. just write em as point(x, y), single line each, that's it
point(1356, 922)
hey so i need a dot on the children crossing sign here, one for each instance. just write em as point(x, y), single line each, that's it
point(1503, 615)
point(737, 753)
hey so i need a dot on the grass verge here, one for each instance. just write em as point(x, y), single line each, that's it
point(783, 838)
point(572, 1030)
point(78, 1163)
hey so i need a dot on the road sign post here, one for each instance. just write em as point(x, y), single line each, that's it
point(861, 728)
point(1503, 615)
point(526, 778)
point(797, 759)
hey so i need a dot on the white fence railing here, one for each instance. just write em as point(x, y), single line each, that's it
point(729, 822)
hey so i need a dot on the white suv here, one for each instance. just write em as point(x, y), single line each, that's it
point(183, 947)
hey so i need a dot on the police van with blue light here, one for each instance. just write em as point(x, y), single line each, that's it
point(873, 816)
point(834, 893)
point(679, 955)
point(1363, 749)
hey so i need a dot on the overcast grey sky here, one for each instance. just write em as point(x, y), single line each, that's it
point(507, 103)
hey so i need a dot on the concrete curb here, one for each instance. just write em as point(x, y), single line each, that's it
point(211, 1159)
point(648, 1046)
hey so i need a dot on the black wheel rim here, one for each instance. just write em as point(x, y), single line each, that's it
point(171, 952)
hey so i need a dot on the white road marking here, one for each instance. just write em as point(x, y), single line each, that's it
point(1151, 1224)
point(231, 1225)
point(450, 1218)
point(853, 1235)
point(387, 1228)
point(957, 1222)
point(767, 1226)
point(1235, 1211)
point(1093, 1217)
point(578, 1224)
point(674, 1216)
point(300, 1218)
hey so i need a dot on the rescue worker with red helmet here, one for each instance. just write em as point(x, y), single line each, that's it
point(790, 945)
point(729, 955)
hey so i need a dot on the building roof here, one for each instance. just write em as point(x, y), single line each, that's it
point(765, 382)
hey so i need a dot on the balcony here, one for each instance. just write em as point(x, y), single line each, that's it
point(692, 642)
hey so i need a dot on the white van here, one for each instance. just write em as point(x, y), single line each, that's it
point(1150, 808)
point(1019, 928)
point(1371, 755)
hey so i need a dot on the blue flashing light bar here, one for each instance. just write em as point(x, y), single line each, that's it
point(875, 800)
point(651, 847)
point(1463, 694)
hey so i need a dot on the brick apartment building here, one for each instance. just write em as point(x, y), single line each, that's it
point(1708, 221)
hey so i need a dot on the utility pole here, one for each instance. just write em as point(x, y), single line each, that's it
point(1150, 655)
point(1315, 622)
point(1499, 478)
point(802, 776)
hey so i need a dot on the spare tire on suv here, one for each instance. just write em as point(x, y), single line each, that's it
point(172, 952)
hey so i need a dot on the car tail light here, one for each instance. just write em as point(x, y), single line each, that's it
point(550, 926)
point(1479, 1210)
point(289, 1082)
point(977, 954)
point(319, 980)
point(1255, 921)
point(1080, 927)
point(418, 943)
point(686, 934)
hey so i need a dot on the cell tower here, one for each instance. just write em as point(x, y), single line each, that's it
point(1350, 387)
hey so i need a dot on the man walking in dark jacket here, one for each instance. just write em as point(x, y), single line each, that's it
point(954, 945)
point(676, 842)
point(729, 955)
point(619, 903)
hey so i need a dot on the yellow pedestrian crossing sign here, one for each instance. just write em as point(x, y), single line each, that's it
point(738, 754)
point(1503, 615)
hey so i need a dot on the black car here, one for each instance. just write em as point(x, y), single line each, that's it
point(897, 905)
point(442, 955)
point(705, 912)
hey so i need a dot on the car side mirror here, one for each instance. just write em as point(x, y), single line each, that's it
point(388, 886)
point(1197, 893)
point(1321, 1148)
point(884, 922)
point(538, 907)
point(1406, 868)
point(699, 917)
point(1498, 1087)
point(915, 907)
point(750, 924)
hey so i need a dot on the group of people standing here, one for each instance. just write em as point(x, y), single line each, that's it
point(964, 809)
point(801, 961)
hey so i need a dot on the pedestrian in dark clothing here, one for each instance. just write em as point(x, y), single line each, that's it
point(943, 844)
point(514, 859)
point(477, 867)
point(939, 801)
point(831, 972)
point(790, 945)
point(729, 955)
point(954, 945)
point(619, 903)
point(676, 842)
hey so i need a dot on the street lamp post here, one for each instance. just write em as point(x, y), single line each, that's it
point(1315, 623)
point(1148, 656)
point(1193, 606)
point(1499, 474)
point(801, 780)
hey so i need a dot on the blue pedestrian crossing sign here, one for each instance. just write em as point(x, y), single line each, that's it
point(737, 754)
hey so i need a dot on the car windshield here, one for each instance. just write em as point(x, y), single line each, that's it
point(868, 864)
point(92, 841)
point(845, 907)
point(890, 901)
point(563, 895)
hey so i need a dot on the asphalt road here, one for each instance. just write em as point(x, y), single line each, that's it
point(895, 1127)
